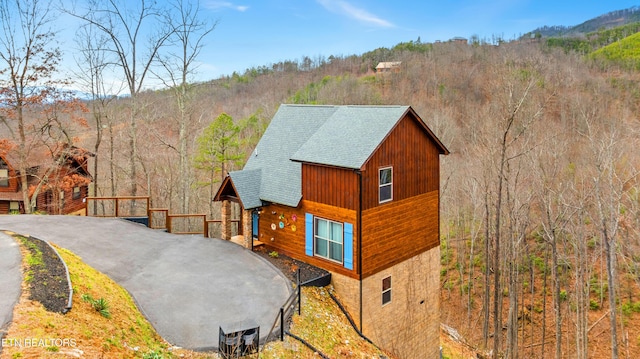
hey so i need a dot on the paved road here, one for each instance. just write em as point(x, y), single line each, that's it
point(186, 285)
point(10, 280)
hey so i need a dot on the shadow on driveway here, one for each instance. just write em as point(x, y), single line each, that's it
point(186, 285)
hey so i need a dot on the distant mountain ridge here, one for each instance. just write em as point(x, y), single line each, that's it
point(606, 21)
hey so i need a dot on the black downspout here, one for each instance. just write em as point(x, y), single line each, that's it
point(359, 224)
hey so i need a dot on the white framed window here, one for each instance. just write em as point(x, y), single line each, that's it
point(328, 239)
point(385, 184)
point(386, 290)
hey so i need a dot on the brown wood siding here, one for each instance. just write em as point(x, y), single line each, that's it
point(399, 230)
point(14, 182)
point(70, 205)
point(330, 185)
point(292, 243)
point(4, 207)
point(415, 160)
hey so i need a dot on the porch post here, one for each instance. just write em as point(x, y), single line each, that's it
point(225, 216)
point(247, 227)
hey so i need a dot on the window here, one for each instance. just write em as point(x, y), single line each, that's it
point(386, 290)
point(4, 177)
point(328, 239)
point(76, 192)
point(14, 207)
point(386, 184)
point(324, 238)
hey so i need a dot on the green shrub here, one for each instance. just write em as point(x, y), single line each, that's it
point(593, 304)
point(100, 305)
point(563, 295)
point(152, 355)
point(628, 308)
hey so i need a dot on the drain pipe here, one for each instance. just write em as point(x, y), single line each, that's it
point(359, 224)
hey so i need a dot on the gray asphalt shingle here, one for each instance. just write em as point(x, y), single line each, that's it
point(342, 136)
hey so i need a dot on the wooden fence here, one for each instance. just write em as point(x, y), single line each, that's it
point(158, 218)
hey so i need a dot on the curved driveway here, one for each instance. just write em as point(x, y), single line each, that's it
point(10, 280)
point(186, 285)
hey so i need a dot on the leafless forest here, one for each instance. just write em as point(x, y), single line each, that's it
point(539, 210)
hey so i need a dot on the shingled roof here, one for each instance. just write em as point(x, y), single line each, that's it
point(341, 136)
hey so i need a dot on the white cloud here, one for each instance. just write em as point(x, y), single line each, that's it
point(346, 9)
point(217, 5)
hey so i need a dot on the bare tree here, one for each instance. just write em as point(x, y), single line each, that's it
point(178, 64)
point(92, 62)
point(556, 213)
point(136, 32)
point(29, 59)
point(609, 180)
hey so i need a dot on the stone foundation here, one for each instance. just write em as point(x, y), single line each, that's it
point(409, 325)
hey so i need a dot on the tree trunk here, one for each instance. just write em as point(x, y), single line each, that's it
point(556, 294)
point(24, 181)
point(611, 274)
point(487, 275)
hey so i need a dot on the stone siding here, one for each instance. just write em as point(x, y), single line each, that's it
point(409, 325)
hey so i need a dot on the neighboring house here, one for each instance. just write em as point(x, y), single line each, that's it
point(61, 183)
point(384, 67)
point(353, 190)
point(459, 40)
point(11, 199)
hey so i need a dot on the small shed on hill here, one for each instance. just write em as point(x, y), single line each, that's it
point(389, 66)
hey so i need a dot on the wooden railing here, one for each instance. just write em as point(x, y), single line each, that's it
point(158, 218)
point(205, 225)
point(164, 212)
point(116, 201)
point(235, 222)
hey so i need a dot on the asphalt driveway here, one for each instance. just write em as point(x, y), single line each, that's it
point(10, 280)
point(186, 285)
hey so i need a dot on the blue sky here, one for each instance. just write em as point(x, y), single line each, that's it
point(262, 32)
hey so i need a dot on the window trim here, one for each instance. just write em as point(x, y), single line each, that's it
point(328, 240)
point(380, 185)
point(385, 291)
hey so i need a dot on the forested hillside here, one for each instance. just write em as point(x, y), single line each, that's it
point(540, 207)
point(606, 21)
point(539, 194)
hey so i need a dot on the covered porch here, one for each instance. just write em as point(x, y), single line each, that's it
point(249, 217)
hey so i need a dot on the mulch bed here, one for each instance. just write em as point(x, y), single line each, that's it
point(289, 266)
point(49, 279)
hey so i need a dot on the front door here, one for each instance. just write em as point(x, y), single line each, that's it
point(255, 218)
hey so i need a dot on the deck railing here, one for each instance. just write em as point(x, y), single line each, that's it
point(158, 218)
point(113, 206)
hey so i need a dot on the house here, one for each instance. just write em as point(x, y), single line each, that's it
point(60, 183)
point(353, 190)
point(459, 40)
point(390, 66)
